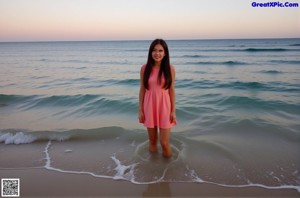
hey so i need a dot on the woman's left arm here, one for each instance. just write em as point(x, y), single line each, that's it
point(173, 97)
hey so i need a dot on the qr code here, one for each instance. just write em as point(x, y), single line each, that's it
point(10, 187)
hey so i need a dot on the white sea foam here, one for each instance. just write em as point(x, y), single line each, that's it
point(123, 171)
point(68, 151)
point(48, 159)
point(18, 138)
point(58, 137)
point(27, 138)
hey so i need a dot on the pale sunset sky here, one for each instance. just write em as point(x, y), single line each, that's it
point(89, 20)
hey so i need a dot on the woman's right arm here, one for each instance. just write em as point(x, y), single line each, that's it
point(141, 97)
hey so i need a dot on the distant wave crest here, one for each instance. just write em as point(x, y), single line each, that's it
point(266, 49)
point(218, 63)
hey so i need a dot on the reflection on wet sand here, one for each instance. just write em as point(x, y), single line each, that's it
point(161, 189)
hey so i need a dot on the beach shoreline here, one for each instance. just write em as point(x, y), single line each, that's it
point(117, 164)
point(40, 182)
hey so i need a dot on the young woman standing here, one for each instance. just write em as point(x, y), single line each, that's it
point(157, 96)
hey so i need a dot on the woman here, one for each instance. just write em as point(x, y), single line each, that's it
point(157, 96)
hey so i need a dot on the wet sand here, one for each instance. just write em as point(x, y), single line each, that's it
point(41, 182)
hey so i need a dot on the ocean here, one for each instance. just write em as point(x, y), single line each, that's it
point(237, 104)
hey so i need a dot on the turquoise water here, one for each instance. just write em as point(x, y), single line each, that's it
point(238, 105)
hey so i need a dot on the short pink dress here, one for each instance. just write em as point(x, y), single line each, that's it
point(157, 102)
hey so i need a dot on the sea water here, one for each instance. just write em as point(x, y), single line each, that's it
point(237, 105)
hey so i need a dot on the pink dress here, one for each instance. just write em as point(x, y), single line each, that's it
point(157, 103)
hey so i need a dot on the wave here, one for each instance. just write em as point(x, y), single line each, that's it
point(84, 104)
point(85, 82)
point(5, 100)
point(259, 86)
point(193, 56)
point(133, 82)
point(250, 49)
point(244, 85)
point(234, 63)
point(27, 138)
point(121, 62)
point(297, 44)
point(230, 49)
point(19, 136)
point(267, 50)
point(229, 63)
point(293, 62)
point(270, 72)
point(252, 103)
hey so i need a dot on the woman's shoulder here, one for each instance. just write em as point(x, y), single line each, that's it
point(143, 67)
point(172, 67)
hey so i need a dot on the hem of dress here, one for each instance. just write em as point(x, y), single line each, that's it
point(151, 127)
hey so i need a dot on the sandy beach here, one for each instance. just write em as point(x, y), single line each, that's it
point(85, 168)
point(46, 183)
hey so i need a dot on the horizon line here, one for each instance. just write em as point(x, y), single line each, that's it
point(125, 40)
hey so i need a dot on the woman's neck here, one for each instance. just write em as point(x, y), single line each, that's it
point(157, 64)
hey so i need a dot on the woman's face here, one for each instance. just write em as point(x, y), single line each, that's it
point(158, 53)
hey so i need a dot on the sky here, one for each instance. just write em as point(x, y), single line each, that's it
point(89, 20)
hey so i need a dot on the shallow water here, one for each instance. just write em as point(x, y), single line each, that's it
point(116, 153)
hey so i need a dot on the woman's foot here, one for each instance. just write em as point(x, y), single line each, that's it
point(153, 148)
point(167, 152)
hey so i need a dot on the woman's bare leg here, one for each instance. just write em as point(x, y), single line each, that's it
point(153, 137)
point(165, 142)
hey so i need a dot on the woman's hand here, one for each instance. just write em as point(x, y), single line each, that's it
point(173, 117)
point(141, 117)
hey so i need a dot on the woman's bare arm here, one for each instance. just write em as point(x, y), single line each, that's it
point(141, 97)
point(173, 97)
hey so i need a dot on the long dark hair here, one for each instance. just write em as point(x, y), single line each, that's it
point(164, 67)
